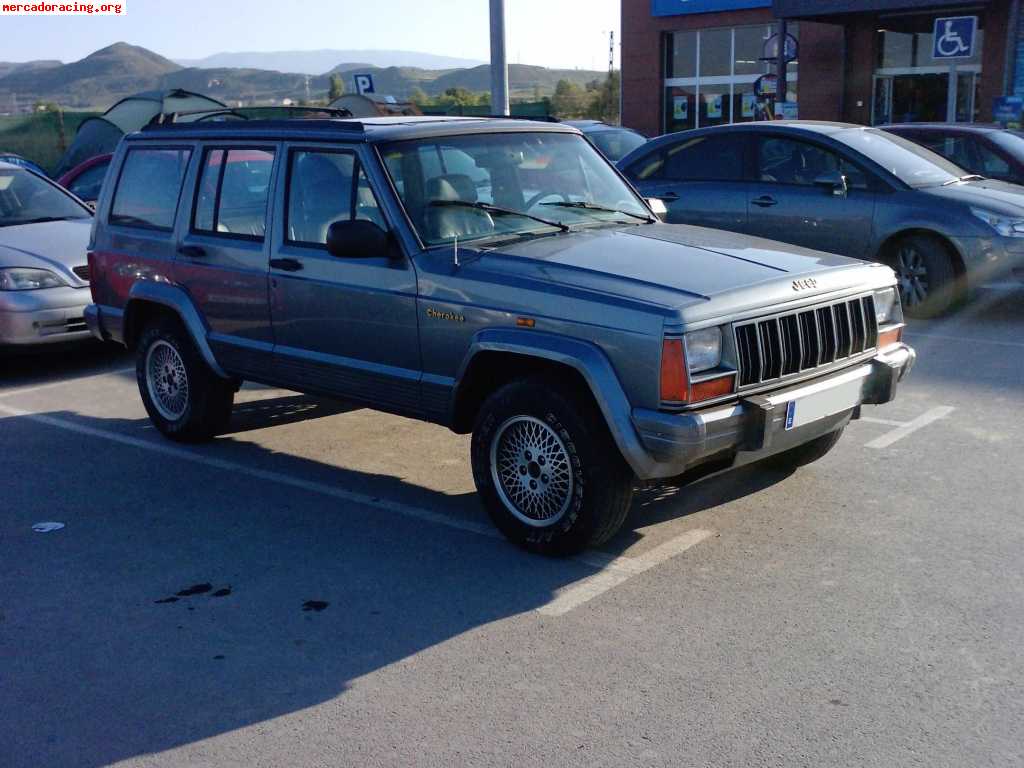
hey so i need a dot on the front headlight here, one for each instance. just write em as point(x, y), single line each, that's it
point(703, 349)
point(26, 279)
point(1007, 226)
point(887, 307)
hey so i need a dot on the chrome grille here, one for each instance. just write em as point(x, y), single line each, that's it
point(776, 347)
point(82, 272)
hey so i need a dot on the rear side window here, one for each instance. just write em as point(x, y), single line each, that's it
point(149, 187)
point(702, 158)
point(325, 187)
point(233, 190)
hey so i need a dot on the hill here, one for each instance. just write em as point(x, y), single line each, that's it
point(7, 67)
point(318, 62)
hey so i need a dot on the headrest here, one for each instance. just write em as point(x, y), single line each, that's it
point(453, 186)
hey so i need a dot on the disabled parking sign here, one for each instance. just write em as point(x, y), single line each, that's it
point(954, 37)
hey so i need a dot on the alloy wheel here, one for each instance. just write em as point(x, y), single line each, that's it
point(167, 380)
point(912, 275)
point(532, 471)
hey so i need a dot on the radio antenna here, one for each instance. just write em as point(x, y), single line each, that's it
point(455, 252)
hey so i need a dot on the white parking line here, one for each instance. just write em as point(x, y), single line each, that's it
point(887, 422)
point(583, 591)
point(63, 382)
point(612, 570)
point(908, 428)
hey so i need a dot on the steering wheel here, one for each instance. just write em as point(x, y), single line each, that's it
point(541, 195)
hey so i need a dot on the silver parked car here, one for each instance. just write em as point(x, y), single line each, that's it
point(44, 277)
point(847, 189)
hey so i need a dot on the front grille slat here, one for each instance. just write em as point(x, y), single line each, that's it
point(778, 347)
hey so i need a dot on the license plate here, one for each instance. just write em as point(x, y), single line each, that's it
point(834, 400)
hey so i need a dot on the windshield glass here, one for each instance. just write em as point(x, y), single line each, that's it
point(1011, 141)
point(25, 198)
point(909, 162)
point(616, 144)
point(479, 186)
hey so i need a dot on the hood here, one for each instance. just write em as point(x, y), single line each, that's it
point(55, 245)
point(996, 196)
point(675, 265)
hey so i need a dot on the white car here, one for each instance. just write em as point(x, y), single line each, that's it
point(44, 274)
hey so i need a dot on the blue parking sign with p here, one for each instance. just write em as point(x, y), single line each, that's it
point(364, 83)
point(954, 37)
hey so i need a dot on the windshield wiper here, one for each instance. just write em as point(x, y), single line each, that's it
point(968, 177)
point(499, 211)
point(40, 220)
point(594, 207)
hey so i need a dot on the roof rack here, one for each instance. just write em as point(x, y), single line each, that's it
point(222, 115)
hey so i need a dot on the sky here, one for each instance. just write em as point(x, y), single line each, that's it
point(552, 33)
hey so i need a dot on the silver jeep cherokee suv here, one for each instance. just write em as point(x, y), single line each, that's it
point(494, 276)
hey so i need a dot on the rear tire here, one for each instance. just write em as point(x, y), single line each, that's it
point(547, 469)
point(926, 276)
point(807, 453)
point(185, 400)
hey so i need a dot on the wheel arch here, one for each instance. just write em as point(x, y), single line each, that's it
point(886, 249)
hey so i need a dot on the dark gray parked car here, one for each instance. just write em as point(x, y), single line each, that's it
point(614, 141)
point(846, 189)
point(497, 277)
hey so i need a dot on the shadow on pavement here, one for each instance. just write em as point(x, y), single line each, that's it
point(101, 664)
point(39, 365)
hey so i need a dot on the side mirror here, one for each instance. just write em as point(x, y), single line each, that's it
point(356, 239)
point(657, 206)
point(834, 181)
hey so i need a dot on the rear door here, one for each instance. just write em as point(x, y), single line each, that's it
point(700, 178)
point(345, 326)
point(786, 204)
point(222, 258)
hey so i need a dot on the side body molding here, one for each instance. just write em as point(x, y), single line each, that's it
point(174, 298)
point(590, 362)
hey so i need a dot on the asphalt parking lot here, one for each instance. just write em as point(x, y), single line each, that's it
point(321, 587)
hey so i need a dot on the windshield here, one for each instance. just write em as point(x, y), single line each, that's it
point(480, 186)
point(909, 162)
point(616, 144)
point(1011, 141)
point(25, 198)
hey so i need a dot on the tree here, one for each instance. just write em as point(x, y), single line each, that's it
point(337, 88)
point(419, 97)
point(570, 100)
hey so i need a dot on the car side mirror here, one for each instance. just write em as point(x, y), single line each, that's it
point(657, 206)
point(834, 181)
point(357, 239)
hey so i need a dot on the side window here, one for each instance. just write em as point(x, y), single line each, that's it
point(325, 187)
point(232, 195)
point(88, 183)
point(785, 161)
point(149, 187)
point(989, 163)
point(705, 158)
point(647, 168)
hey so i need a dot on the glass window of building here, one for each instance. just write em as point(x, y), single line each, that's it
point(710, 75)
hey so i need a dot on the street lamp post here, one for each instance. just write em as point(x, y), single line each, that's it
point(499, 64)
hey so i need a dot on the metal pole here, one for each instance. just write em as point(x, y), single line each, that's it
point(780, 95)
point(499, 64)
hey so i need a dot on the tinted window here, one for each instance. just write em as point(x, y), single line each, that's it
point(233, 191)
point(615, 145)
point(786, 161)
point(705, 158)
point(24, 198)
point(88, 184)
point(325, 187)
point(147, 193)
point(989, 162)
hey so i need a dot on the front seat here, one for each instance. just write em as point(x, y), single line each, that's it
point(449, 222)
point(323, 192)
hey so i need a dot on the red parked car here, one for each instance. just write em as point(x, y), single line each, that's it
point(85, 180)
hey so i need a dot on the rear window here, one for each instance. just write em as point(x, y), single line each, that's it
point(149, 187)
point(233, 191)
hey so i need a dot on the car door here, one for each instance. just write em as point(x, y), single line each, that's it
point(343, 326)
point(700, 178)
point(787, 202)
point(222, 258)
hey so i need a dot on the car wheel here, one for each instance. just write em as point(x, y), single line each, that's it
point(185, 400)
point(807, 453)
point(926, 277)
point(547, 469)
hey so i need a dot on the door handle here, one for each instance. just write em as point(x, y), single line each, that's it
point(192, 251)
point(765, 201)
point(670, 196)
point(288, 265)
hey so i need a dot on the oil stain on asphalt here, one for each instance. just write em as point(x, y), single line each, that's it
point(314, 605)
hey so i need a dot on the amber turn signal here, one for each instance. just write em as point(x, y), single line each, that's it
point(712, 388)
point(674, 386)
point(886, 338)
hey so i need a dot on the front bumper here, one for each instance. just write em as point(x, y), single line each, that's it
point(991, 258)
point(47, 316)
point(756, 426)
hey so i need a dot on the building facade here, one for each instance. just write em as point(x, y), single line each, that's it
point(694, 63)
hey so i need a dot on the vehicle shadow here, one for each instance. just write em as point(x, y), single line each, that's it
point(24, 367)
point(185, 600)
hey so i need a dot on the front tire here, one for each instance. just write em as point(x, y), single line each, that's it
point(547, 469)
point(927, 279)
point(185, 400)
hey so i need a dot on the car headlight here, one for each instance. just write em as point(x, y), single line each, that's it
point(1007, 226)
point(26, 279)
point(887, 307)
point(703, 349)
